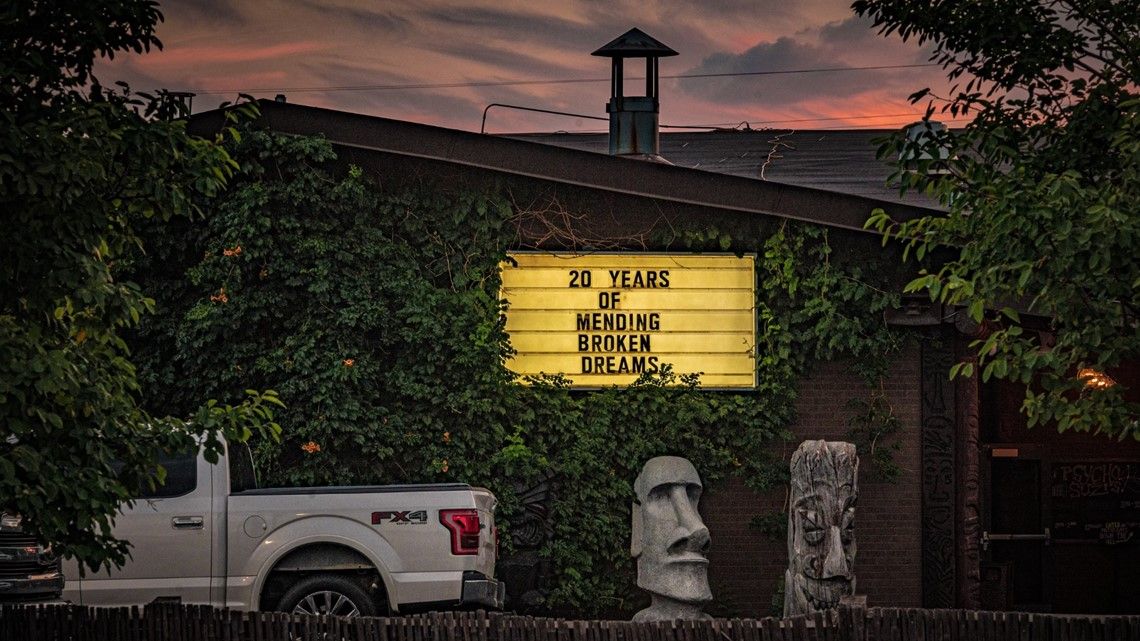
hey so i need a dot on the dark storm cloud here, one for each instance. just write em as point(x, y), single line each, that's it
point(759, 10)
point(836, 44)
point(273, 44)
point(465, 105)
point(379, 23)
point(513, 63)
point(205, 12)
point(379, 102)
point(781, 55)
point(852, 31)
point(859, 33)
point(515, 26)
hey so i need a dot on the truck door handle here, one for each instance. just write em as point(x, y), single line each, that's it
point(187, 522)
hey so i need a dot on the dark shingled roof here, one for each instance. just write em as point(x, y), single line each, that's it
point(527, 157)
point(838, 160)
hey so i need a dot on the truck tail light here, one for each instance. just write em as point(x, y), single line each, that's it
point(464, 528)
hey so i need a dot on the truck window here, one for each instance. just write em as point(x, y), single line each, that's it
point(181, 477)
point(243, 476)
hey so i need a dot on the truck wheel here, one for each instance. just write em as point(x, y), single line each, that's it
point(327, 594)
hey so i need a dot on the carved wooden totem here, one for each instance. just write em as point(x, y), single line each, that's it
point(821, 527)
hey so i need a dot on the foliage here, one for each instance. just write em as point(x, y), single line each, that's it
point(379, 325)
point(596, 444)
point(872, 425)
point(81, 167)
point(1041, 188)
point(376, 314)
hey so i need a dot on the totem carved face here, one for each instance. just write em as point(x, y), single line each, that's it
point(821, 527)
point(670, 540)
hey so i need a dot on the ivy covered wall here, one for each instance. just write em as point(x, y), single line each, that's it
point(370, 303)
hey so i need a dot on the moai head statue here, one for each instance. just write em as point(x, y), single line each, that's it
point(670, 540)
point(821, 527)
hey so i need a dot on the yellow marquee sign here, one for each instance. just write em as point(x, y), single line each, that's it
point(603, 319)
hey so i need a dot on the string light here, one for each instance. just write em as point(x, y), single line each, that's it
point(1095, 379)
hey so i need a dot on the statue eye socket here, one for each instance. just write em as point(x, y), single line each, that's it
point(694, 492)
point(813, 531)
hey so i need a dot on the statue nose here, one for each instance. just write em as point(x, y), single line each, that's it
point(691, 533)
point(835, 563)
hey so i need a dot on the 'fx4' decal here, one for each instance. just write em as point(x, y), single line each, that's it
point(416, 517)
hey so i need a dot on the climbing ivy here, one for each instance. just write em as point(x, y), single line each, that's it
point(375, 313)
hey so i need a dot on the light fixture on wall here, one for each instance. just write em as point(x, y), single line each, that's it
point(1095, 379)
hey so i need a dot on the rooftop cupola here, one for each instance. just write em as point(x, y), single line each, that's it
point(633, 119)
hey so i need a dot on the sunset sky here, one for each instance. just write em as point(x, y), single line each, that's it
point(360, 56)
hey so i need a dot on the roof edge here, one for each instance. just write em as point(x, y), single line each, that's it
point(572, 166)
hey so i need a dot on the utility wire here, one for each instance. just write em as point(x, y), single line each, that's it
point(511, 83)
point(882, 125)
point(744, 124)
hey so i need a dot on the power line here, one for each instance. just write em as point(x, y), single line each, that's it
point(747, 124)
point(510, 83)
point(883, 125)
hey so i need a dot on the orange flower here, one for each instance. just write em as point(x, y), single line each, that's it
point(236, 251)
point(348, 362)
point(220, 297)
point(311, 447)
point(447, 437)
point(443, 466)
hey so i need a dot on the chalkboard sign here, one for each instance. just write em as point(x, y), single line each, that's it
point(1096, 502)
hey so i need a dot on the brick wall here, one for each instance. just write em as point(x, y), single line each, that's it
point(745, 565)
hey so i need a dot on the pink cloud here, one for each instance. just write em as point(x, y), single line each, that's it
point(175, 56)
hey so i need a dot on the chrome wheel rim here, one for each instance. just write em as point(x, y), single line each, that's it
point(327, 602)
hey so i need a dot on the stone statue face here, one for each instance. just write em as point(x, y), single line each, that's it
point(670, 540)
point(821, 527)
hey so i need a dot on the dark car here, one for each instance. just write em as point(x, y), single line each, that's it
point(28, 570)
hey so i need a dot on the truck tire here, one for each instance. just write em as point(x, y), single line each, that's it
point(327, 594)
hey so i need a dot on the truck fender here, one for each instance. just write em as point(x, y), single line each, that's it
point(320, 529)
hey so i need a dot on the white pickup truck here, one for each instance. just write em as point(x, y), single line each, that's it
point(208, 535)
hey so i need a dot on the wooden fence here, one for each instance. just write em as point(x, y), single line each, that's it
point(200, 623)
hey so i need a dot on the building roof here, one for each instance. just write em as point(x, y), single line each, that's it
point(570, 166)
point(634, 43)
point(841, 161)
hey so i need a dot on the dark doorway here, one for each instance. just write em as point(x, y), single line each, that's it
point(1061, 515)
point(1015, 538)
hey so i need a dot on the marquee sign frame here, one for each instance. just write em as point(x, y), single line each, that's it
point(602, 318)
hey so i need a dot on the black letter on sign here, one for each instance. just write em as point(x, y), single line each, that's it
point(580, 278)
point(608, 300)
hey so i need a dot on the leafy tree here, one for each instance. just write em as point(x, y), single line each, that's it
point(81, 167)
point(1042, 189)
